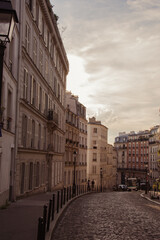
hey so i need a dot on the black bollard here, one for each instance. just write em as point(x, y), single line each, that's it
point(67, 194)
point(44, 220)
point(49, 214)
point(64, 198)
point(61, 198)
point(40, 229)
point(70, 192)
point(57, 201)
point(53, 206)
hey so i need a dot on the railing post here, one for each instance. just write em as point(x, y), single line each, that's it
point(40, 229)
point(70, 192)
point(53, 206)
point(61, 198)
point(49, 214)
point(57, 201)
point(64, 198)
point(44, 220)
point(67, 194)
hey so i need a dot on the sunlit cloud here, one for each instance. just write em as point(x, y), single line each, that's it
point(113, 48)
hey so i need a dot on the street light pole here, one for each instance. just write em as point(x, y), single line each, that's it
point(74, 177)
point(146, 168)
point(101, 176)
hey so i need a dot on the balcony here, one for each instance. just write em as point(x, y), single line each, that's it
point(52, 119)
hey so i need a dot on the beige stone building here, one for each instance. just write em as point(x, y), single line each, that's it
point(82, 179)
point(111, 167)
point(41, 100)
point(76, 142)
point(96, 154)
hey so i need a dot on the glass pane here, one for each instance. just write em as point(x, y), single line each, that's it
point(11, 29)
point(4, 24)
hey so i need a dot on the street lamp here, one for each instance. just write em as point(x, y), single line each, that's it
point(74, 178)
point(101, 176)
point(146, 170)
point(8, 18)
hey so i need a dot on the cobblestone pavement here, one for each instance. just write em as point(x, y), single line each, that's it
point(110, 216)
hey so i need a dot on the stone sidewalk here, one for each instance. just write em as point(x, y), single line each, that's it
point(19, 221)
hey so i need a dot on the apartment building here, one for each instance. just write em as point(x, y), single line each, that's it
point(81, 111)
point(110, 169)
point(8, 115)
point(96, 153)
point(76, 140)
point(138, 155)
point(41, 100)
point(154, 154)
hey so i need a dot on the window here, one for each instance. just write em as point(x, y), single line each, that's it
point(33, 91)
point(24, 130)
point(30, 4)
point(46, 70)
point(94, 130)
point(94, 157)
point(43, 28)
point(22, 169)
point(93, 169)
point(37, 12)
point(39, 137)
point(41, 61)
point(35, 50)
point(27, 37)
point(37, 174)
point(40, 98)
point(55, 86)
point(46, 104)
point(58, 91)
point(25, 84)
point(9, 110)
point(33, 134)
point(31, 176)
point(44, 143)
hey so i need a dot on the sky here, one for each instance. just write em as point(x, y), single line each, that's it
point(113, 48)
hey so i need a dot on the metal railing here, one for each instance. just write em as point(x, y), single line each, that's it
point(59, 199)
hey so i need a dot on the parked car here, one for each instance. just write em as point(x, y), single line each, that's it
point(122, 187)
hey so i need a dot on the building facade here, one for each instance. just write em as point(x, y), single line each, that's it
point(111, 167)
point(141, 155)
point(41, 100)
point(76, 143)
point(154, 155)
point(96, 153)
point(8, 117)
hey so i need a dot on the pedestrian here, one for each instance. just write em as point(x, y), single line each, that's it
point(92, 185)
point(88, 186)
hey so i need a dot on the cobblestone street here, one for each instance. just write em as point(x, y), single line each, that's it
point(110, 216)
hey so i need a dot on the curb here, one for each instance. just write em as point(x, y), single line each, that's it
point(147, 198)
point(59, 215)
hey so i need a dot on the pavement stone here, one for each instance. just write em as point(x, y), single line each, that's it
point(110, 216)
point(95, 216)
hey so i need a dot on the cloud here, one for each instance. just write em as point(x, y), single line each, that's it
point(119, 44)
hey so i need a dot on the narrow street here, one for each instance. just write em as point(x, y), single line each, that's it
point(110, 216)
